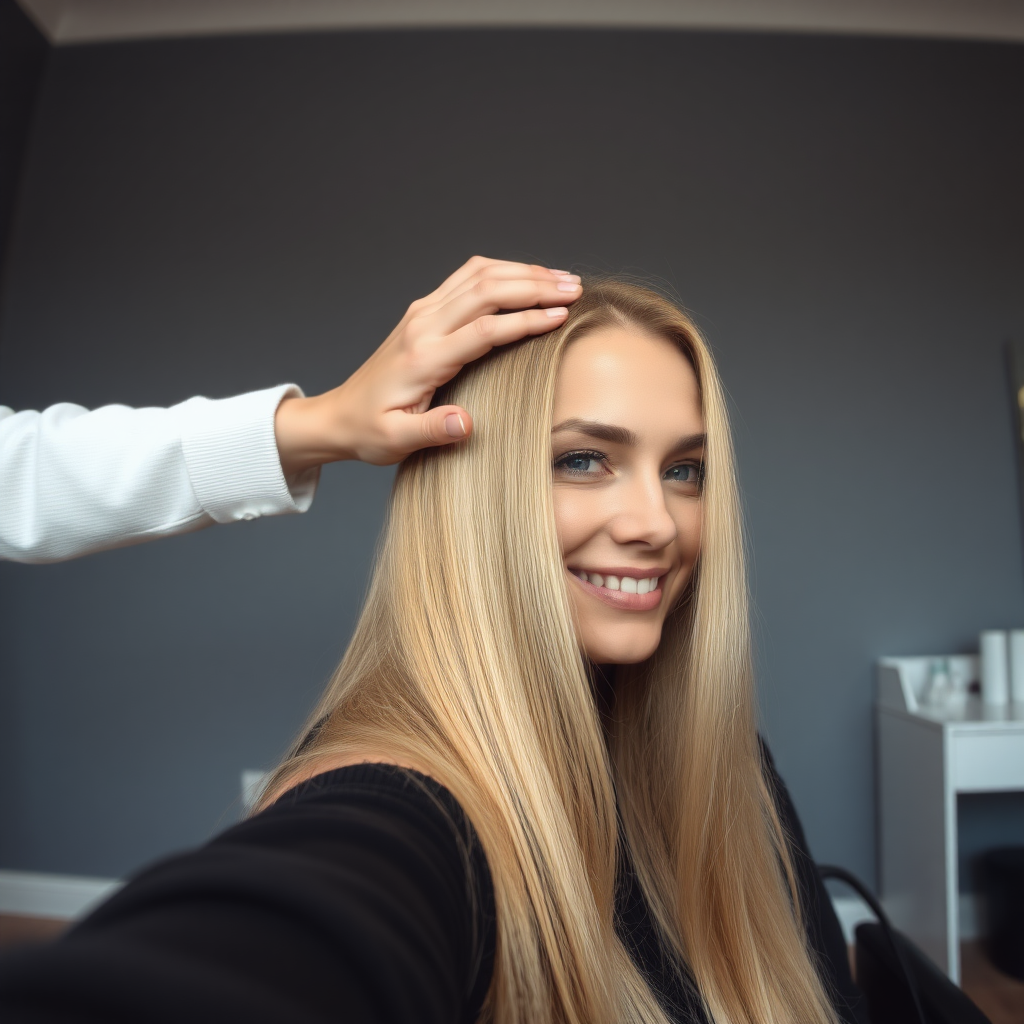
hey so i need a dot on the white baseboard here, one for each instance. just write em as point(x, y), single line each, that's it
point(60, 896)
point(852, 911)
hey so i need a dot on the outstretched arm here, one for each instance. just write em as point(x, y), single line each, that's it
point(73, 481)
point(362, 895)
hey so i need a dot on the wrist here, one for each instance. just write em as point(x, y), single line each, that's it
point(308, 434)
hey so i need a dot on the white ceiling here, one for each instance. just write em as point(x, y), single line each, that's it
point(85, 21)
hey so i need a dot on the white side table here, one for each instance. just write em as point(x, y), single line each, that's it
point(925, 758)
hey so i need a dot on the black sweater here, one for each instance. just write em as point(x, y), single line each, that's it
point(360, 895)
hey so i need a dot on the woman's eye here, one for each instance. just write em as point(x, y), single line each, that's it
point(581, 463)
point(687, 473)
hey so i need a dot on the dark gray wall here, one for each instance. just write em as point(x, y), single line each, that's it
point(845, 216)
point(23, 52)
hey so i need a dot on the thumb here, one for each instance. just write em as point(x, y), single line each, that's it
point(443, 425)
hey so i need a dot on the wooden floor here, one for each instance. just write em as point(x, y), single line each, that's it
point(16, 930)
point(998, 996)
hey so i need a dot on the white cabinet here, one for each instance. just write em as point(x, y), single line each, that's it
point(925, 758)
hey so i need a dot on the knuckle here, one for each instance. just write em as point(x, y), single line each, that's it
point(485, 288)
point(427, 430)
point(485, 327)
point(493, 269)
point(415, 331)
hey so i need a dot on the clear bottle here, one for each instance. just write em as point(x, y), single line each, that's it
point(940, 692)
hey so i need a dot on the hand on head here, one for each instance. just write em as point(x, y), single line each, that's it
point(382, 412)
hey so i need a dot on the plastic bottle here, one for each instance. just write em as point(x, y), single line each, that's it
point(939, 694)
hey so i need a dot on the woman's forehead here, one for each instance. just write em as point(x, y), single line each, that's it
point(629, 378)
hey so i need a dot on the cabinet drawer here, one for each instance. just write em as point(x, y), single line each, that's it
point(987, 761)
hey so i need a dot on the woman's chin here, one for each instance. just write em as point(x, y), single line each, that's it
point(621, 650)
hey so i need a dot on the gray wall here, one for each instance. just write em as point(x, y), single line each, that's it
point(23, 53)
point(845, 217)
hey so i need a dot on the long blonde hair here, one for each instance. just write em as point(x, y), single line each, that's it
point(465, 664)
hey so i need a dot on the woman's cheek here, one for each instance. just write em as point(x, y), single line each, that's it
point(693, 535)
point(689, 525)
point(573, 519)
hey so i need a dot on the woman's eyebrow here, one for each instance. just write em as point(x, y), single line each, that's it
point(623, 435)
point(691, 441)
point(602, 431)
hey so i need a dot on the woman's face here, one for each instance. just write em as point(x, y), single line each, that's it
point(628, 443)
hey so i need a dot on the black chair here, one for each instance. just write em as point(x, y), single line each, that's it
point(900, 983)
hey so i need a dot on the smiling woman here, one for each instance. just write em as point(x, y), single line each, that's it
point(592, 520)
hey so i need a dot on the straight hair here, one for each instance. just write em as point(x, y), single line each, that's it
point(465, 665)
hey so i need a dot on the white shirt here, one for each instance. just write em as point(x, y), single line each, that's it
point(74, 481)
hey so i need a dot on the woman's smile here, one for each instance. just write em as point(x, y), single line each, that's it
point(636, 590)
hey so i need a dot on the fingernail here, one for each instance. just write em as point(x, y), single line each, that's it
point(560, 273)
point(453, 425)
point(554, 311)
point(568, 286)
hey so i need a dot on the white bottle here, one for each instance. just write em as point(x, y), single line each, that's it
point(1017, 666)
point(995, 669)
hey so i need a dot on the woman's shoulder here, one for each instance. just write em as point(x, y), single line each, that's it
point(385, 794)
point(382, 789)
point(349, 768)
point(423, 853)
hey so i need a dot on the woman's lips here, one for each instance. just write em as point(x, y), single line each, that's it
point(620, 600)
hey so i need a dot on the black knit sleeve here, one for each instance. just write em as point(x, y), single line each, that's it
point(361, 895)
point(825, 936)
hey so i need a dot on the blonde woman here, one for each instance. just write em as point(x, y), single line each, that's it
point(533, 791)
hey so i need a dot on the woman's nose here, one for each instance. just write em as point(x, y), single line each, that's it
point(643, 515)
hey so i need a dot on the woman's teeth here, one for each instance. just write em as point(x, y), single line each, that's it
point(627, 584)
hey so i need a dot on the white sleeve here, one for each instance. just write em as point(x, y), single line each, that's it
point(74, 481)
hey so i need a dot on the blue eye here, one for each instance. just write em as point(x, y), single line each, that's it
point(581, 463)
point(686, 473)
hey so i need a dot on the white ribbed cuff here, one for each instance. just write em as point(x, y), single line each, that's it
point(231, 454)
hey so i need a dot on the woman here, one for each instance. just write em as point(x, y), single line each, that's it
point(533, 790)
